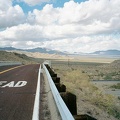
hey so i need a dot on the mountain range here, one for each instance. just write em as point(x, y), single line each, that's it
point(50, 51)
point(107, 52)
point(41, 50)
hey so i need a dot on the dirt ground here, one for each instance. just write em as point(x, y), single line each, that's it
point(90, 99)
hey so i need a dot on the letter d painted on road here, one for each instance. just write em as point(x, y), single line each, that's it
point(21, 83)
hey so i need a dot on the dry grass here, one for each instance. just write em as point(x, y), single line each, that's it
point(90, 99)
point(11, 56)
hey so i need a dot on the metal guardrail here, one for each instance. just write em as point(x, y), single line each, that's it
point(64, 111)
point(5, 63)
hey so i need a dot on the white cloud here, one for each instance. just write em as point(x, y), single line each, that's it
point(28, 36)
point(5, 4)
point(10, 15)
point(23, 32)
point(84, 44)
point(84, 27)
point(90, 17)
point(48, 15)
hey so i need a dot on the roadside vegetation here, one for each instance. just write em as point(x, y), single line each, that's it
point(13, 56)
point(90, 99)
point(116, 86)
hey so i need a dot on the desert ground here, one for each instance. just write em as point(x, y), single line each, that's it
point(77, 72)
point(91, 99)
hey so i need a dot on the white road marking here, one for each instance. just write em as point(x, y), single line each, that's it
point(20, 83)
point(37, 99)
point(12, 84)
point(2, 82)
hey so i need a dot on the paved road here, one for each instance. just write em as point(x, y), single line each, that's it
point(17, 92)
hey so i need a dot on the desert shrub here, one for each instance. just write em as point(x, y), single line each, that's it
point(116, 86)
point(78, 80)
point(108, 77)
point(101, 74)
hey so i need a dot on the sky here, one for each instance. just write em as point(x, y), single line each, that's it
point(65, 25)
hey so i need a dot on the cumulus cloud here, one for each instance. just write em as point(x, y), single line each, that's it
point(85, 44)
point(84, 27)
point(28, 36)
point(10, 15)
point(48, 15)
point(90, 17)
point(5, 4)
point(23, 32)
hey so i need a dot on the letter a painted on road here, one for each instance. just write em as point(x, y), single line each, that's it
point(20, 83)
point(11, 84)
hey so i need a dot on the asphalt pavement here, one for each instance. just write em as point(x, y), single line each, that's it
point(17, 92)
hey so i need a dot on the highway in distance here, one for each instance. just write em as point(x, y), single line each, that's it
point(17, 92)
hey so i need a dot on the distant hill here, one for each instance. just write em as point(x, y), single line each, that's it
point(45, 50)
point(50, 51)
point(116, 63)
point(11, 56)
point(41, 50)
point(107, 52)
point(8, 48)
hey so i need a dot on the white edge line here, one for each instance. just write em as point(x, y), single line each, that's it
point(37, 98)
